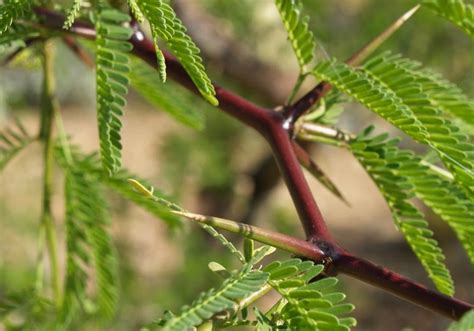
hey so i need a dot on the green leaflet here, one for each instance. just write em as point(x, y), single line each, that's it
point(456, 11)
point(296, 25)
point(399, 74)
point(224, 241)
point(89, 245)
point(424, 84)
point(444, 197)
point(72, 14)
point(385, 87)
point(311, 305)
point(239, 286)
point(11, 11)
point(396, 173)
point(135, 9)
point(12, 141)
point(112, 67)
point(169, 28)
point(465, 324)
point(169, 97)
point(444, 95)
point(119, 183)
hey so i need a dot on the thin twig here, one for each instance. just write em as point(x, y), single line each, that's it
point(304, 104)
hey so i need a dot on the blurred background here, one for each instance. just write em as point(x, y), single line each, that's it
point(225, 169)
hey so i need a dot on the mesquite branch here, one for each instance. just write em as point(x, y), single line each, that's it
point(276, 128)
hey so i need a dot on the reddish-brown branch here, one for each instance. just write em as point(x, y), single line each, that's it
point(274, 126)
point(401, 286)
point(301, 106)
point(79, 51)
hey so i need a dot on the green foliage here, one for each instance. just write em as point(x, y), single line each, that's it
point(12, 141)
point(111, 78)
point(465, 324)
point(453, 147)
point(224, 241)
point(239, 286)
point(310, 304)
point(456, 11)
point(169, 28)
point(119, 183)
point(16, 36)
point(397, 175)
point(11, 11)
point(89, 245)
point(387, 88)
point(170, 97)
point(135, 8)
point(72, 14)
point(300, 36)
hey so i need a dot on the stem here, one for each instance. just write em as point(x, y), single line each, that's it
point(402, 287)
point(254, 297)
point(296, 88)
point(264, 236)
point(48, 108)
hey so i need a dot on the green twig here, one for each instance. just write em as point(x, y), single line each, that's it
point(48, 107)
point(290, 244)
point(296, 87)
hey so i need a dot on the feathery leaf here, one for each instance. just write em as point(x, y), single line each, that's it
point(12, 141)
point(11, 11)
point(169, 28)
point(389, 168)
point(311, 305)
point(456, 11)
point(296, 25)
point(89, 245)
point(72, 14)
point(226, 297)
point(112, 67)
point(389, 94)
point(444, 197)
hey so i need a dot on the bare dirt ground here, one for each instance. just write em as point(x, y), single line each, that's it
point(364, 226)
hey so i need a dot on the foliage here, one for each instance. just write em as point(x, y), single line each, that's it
point(11, 11)
point(169, 97)
point(390, 168)
point(168, 27)
point(13, 141)
point(72, 14)
point(300, 36)
point(112, 81)
point(311, 303)
point(416, 100)
point(466, 323)
point(386, 90)
point(89, 245)
point(456, 11)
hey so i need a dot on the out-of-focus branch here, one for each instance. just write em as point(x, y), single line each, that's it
point(79, 51)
